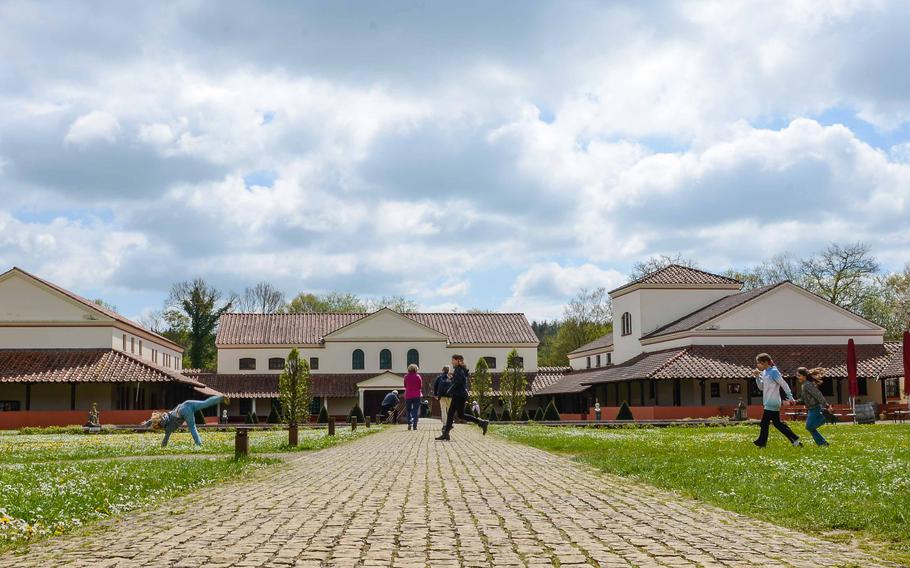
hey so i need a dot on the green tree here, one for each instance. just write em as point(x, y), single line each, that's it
point(307, 303)
point(105, 305)
point(482, 386)
point(586, 317)
point(202, 305)
point(890, 308)
point(400, 304)
point(295, 389)
point(513, 385)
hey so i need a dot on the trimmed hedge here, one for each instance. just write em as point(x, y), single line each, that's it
point(323, 416)
point(505, 416)
point(492, 417)
point(625, 413)
point(551, 413)
point(356, 413)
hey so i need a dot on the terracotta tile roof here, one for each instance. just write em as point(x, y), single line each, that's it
point(641, 367)
point(88, 303)
point(711, 311)
point(82, 366)
point(602, 342)
point(894, 369)
point(676, 274)
point(737, 361)
point(570, 382)
point(309, 329)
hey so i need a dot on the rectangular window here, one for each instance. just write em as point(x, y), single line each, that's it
point(132, 344)
point(609, 358)
point(598, 360)
point(588, 362)
point(276, 363)
point(247, 364)
point(491, 362)
point(314, 363)
point(154, 355)
point(124, 343)
point(715, 390)
point(140, 348)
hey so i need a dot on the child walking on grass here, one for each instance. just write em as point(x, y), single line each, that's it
point(770, 381)
point(183, 412)
point(814, 400)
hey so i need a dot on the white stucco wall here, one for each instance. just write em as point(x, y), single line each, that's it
point(580, 362)
point(147, 347)
point(336, 356)
point(79, 337)
point(22, 299)
point(787, 308)
point(662, 306)
point(626, 347)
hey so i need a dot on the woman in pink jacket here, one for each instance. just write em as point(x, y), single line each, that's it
point(413, 390)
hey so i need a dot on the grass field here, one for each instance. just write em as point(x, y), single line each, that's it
point(859, 488)
point(54, 483)
point(22, 448)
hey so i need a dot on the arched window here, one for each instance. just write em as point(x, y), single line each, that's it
point(627, 324)
point(385, 359)
point(276, 363)
point(357, 359)
point(413, 357)
point(491, 362)
point(247, 364)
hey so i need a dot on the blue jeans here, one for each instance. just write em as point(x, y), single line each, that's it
point(412, 410)
point(188, 412)
point(814, 419)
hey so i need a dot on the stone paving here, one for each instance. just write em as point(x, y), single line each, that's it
point(400, 498)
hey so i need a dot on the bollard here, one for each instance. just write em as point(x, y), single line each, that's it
point(367, 421)
point(292, 435)
point(377, 420)
point(331, 426)
point(241, 443)
point(353, 423)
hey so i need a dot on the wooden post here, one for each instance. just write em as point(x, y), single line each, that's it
point(641, 386)
point(353, 423)
point(331, 426)
point(701, 384)
point(293, 436)
point(241, 443)
point(884, 393)
point(72, 396)
point(677, 394)
point(366, 420)
point(656, 392)
point(28, 396)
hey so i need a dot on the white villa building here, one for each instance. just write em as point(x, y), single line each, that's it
point(358, 358)
point(683, 337)
point(60, 353)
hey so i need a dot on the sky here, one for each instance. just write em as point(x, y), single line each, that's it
point(495, 155)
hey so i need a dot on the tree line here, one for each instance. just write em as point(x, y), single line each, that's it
point(848, 275)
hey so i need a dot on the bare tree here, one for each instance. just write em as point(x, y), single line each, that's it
point(843, 274)
point(590, 306)
point(777, 269)
point(655, 263)
point(263, 298)
point(153, 321)
point(400, 304)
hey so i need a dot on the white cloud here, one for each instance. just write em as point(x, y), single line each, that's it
point(542, 291)
point(92, 127)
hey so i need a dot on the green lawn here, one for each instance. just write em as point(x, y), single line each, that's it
point(857, 488)
point(53, 483)
point(21, 448)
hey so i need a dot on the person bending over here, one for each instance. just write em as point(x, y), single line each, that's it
point(183, 412)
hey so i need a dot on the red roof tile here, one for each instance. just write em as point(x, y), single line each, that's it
point(88, 303)
point(602, 342)
point(309, 329)
point(675, 274)
point(81, 366)
point(894, 369)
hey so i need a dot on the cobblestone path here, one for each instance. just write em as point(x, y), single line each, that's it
point(399, 498)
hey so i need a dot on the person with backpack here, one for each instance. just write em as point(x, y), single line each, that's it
point(459, 394)
point(441, 392)
point(814, 400)
point(770, 381)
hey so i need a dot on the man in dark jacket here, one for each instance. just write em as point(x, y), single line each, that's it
point(459, 393)
point(441, 392)
point(389, 404)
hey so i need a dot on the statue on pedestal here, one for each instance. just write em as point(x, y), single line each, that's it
point(93, 421)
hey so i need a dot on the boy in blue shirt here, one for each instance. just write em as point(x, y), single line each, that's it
point(770, 381)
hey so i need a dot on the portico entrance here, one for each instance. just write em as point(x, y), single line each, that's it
point(373, 390)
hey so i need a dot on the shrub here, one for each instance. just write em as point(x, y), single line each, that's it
point(538, 415)
point(551, 413)
point(505, 416)
point(323, 415)
point(251, 418)
point(525, 416)
point(356, 413)
point(274, 418)
point(492, 416)
point(624, 412)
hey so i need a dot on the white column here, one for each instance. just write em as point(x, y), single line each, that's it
point(360, 395)
point(253, 407)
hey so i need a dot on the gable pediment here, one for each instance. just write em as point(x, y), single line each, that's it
point(789, 307)
point(387, 380)
point(385, 325)
point(23, 299)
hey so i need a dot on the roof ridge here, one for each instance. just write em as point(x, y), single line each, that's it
point(654, 273)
